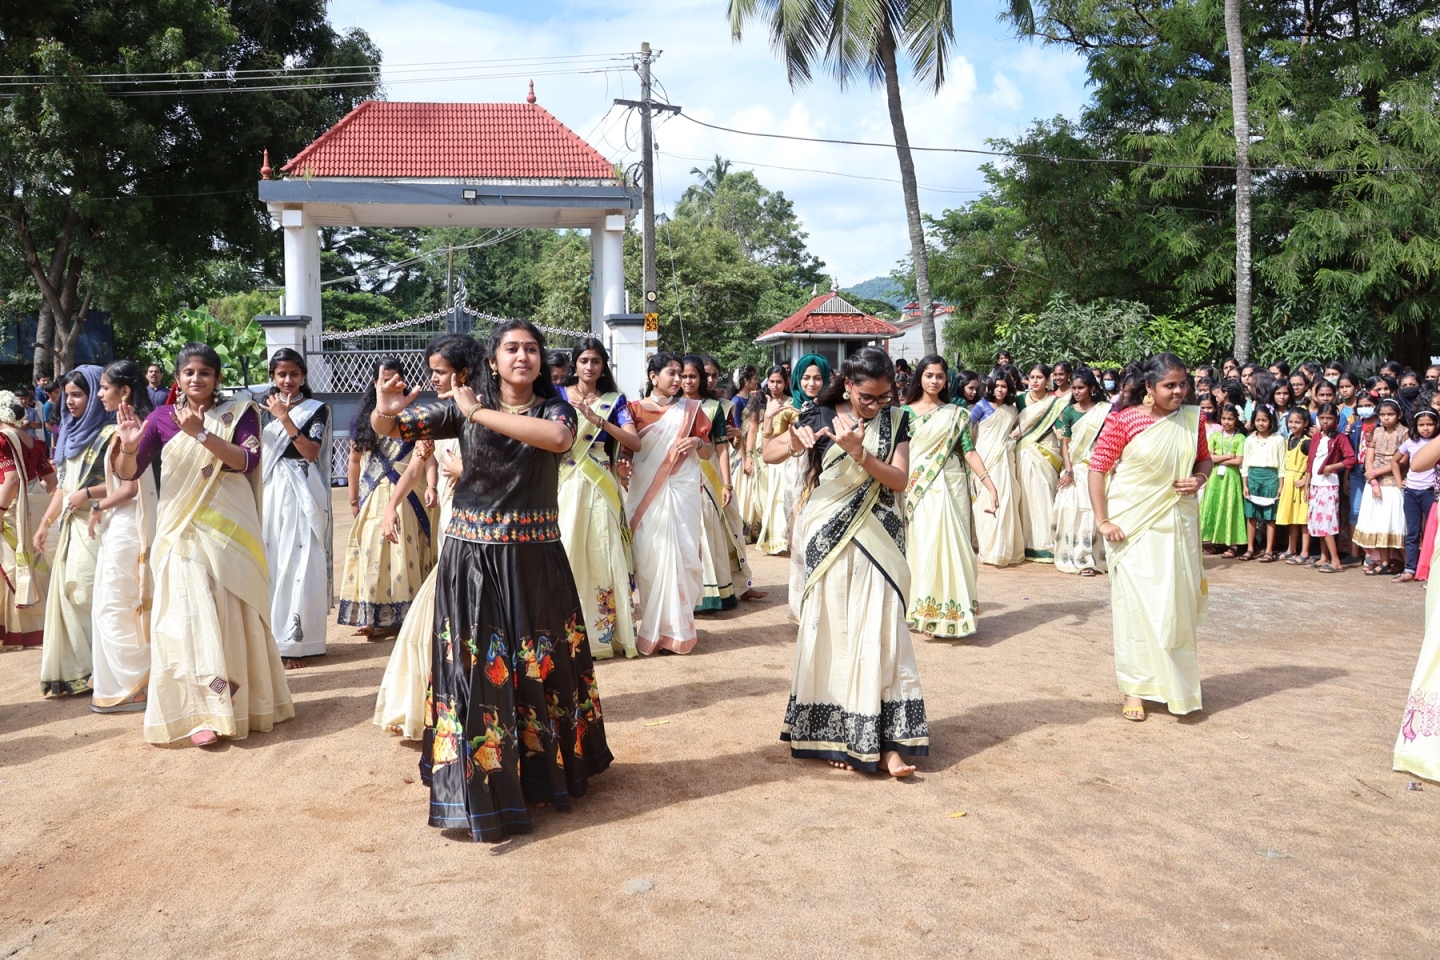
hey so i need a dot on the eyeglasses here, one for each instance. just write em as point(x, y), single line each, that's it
point(867, 399)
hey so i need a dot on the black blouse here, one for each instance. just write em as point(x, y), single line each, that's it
point(818, 418)
point(508, 491)
point(315, 430)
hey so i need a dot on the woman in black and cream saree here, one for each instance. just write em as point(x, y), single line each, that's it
point(855, 700)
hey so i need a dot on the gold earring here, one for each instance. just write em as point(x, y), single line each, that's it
point(1149, 399)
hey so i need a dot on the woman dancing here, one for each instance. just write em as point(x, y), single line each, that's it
point(25, 581)
point(999, 537)
point(1079, 548)
point(124, 522)
point(1037, 459)
point(381, 578)
point(855, 700)
point(772, 419)
point(664, 505)
point(1148, 514)
point(66, 662)
point(214, 668)
point(515, 712)
point(592, 511)
point(400, 706)
point(944, 599)
point(298, 528)
point(717, 581)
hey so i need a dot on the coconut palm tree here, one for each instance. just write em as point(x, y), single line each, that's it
point(695, 201)
point(1240, 107)
point(855, 39)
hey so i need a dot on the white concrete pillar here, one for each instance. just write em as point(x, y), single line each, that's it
point(625, 339)
point(612, 265)
point(597, 300)
point(302, 270)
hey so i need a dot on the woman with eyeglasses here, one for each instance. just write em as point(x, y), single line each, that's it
point(855, 700)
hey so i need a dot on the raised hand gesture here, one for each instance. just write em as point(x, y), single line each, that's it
point(848, 434)
point(589, 414)
point(465, 399)
point(128, 427)
point(188, 419)
point(392, 395)
point(278, 408)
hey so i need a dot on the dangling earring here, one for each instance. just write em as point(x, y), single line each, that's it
point(845, 395)
point(1149, 399)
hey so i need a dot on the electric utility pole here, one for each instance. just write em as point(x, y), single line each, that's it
point(647, 107)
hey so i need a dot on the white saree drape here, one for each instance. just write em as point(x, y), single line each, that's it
point(597, 539)
point(1157, 579)
point(1417, 748)
point(26, 574)
point(400, 704)
point(298, 536)
point(1037, 468)
point(944, 600)
point(67, 657)
point(214, 664)
point(1078, 545)
point(120, 612)
point(855, 691)
point(664, 507)
point(998, 535)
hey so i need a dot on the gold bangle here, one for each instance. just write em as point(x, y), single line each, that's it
point(384, 416)
point(129, 453)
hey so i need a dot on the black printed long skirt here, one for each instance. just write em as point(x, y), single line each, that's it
point(513, 713)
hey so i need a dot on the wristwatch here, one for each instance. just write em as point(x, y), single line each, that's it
point(202, 436)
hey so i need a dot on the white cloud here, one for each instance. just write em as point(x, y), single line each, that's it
point(996, 87)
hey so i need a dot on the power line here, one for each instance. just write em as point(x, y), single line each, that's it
point(291, 71)
point(830, 173)
point(1315, 171)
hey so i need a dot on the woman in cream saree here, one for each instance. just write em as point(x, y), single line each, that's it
point(998, 535)
point(1037, 465)
point(664, 505)
point(771, 479)
point(67, 659)
point(1150, 518)
point(592, 511)
point(124, 522)
point(717, 579)
point(855, 700)
point(380, 578)
point(1078, 548)
point(215, 670)
point(944, 600)
point(24, 575)
point(1417, 747)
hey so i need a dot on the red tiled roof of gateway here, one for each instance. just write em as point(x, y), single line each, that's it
point(498, 141)
point(830, 314)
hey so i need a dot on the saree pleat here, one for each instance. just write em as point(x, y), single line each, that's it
point(1157, 578)
point(381, 578)
point(597, 541)
point(717, 581)
point(998, 535)
point(856, 691)
point(66, 658)
point(1037, 460)
point(664, 505)
point(944, 597)
point(1078, 544)
point(214, 664)
point(120, 613)
point(298, 534)
point(772, 480)
point(400, 703)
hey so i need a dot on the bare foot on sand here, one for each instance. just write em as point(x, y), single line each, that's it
point(895, 766)
point(204, 738)
point(839, 765)
point(754, 594)
point(293, 663)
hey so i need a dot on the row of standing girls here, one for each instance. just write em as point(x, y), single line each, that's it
point(156, 597)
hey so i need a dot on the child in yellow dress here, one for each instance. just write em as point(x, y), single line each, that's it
point(1292, 511)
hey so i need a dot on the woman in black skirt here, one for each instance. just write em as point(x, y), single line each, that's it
point(513, 713)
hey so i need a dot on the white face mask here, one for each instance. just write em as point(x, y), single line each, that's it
point(1365, 413)
point(1109, 385)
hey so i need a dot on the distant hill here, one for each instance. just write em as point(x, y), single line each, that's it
point(879, 288)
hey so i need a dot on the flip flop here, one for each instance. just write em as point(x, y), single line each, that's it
point(1268, 558)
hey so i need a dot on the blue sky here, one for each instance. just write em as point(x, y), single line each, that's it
point(997, 87)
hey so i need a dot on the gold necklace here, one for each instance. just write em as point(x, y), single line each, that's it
point(518, 408)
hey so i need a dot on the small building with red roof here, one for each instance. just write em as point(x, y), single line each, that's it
point(828, 325)
point(485, 165)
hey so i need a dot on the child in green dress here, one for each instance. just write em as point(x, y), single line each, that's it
point(1222, 507)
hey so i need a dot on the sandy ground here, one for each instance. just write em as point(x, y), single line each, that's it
point(1041, 824)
